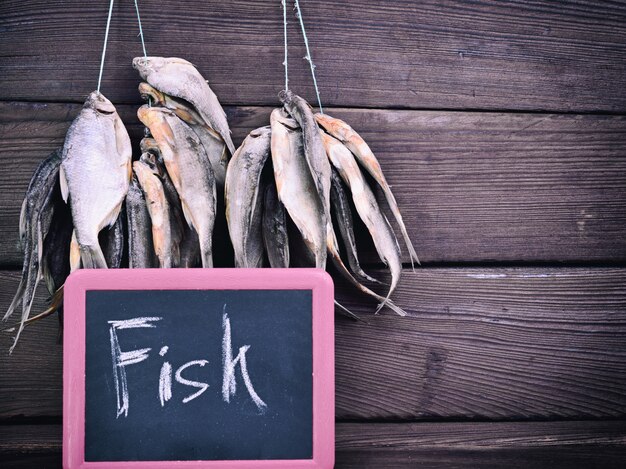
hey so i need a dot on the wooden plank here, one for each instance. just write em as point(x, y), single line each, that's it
point(478, 343)
point(364, 445)
point(485, 445)
point(451, 54)
point(472, 187)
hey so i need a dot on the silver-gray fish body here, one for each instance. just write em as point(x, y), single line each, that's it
point(190, 171)
point(35, 219)
point(159, 210)
point(367, 207)
point(112, 242)
point(275, 236)
point(179, 78)
point(140, 248)
point(295, 186)
point(244, 198)
point(95, 173)
point(314, 150)
point(214, 146)
point(341, 208)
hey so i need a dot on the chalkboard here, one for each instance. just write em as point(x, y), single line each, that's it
point(177, 373)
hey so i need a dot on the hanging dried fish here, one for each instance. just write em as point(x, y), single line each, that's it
point(190, 171)
point(361, 150)
point(341, 208)
point(180, 79)
point(141, 254)
point(35, 220)
point(158, 207)
point(367, 207)
point(275, 235)
point(214, 146)
point(295, 185)
point(244, 198)
point(95, 173)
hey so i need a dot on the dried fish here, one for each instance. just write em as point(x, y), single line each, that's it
point(112, 242)
point(158, 208)
point(141, 254)
point(361, 150)
point(213, 144)
point(180, 79)
point(367, 207)
point(244, 197)
point(35, 220)
point(314, 152)
point(190, 171)
point(295, 186)
point(275, 236)
point(341, 209)
point(95, 173)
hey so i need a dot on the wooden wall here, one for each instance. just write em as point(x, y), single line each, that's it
point(501, 126)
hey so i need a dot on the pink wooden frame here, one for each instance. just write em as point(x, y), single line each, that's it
point(199, 279)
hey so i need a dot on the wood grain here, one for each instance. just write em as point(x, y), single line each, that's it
point(478, 344)
point(538, 55)
point(473, 187)
point(365, 445)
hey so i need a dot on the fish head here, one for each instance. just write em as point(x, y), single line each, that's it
point(149, 144)
point(150, 161)
point(151, 94)
point(286, 96)
point(334, 126)
point(156, 119)
point(146, 66)
point(280, 115)
point(99, 103)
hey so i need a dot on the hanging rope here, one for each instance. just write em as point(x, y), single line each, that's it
point(145, 54)
point(284, 3)
point(104, 48)
point(143, 44)
point(308, 55)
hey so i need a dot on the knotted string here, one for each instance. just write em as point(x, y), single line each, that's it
point(104, 48)
point(308, 54)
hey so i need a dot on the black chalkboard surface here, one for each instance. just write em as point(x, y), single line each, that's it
point(209, 375)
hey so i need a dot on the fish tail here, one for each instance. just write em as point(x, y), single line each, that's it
point(27, 304)
point(206, 253)
point(19, 295)
point(392, 306)
point(359, 272)
point(56, 303)
point(91, 257)
point(346, 312)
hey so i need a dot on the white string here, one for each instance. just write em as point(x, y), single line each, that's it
point(143, 44)
point(104, 48)
point(284, 3)
point(308, 55)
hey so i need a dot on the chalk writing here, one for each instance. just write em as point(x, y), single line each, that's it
point(122, 359)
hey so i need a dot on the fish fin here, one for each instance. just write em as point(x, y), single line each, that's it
point(359, 272)
point(56, 302)
point(111, 218)
point(27, 304)
point(91, 257)
point(65, 191)
point(22, 225)
point(346, 312)
point(392, 306)
point(19, 295)
point(74, 253)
